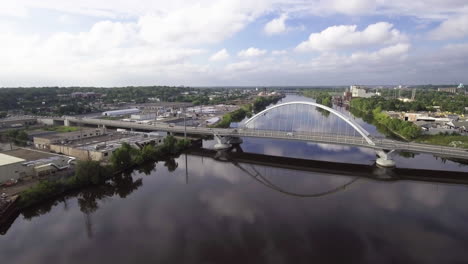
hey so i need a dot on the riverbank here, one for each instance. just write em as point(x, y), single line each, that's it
point(457, 141)
point(89, 173)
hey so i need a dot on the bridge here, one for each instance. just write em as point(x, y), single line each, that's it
point(303, 121)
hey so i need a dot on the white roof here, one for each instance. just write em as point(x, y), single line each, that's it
point(7, 159)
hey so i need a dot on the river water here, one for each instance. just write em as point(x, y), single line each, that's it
point(207, 209)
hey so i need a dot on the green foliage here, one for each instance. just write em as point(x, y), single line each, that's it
point(403, 128)
point(124, 157)
point(42, 190)
point(246, 111)
point(127, 156)
point(3, 114)
point(320, 96)
point(452, 140)
point(375, 105)
point(62, 129)
point(89, 172)
point(93, 173)
point(18, 137)
point(86, 173)
point(262, 102)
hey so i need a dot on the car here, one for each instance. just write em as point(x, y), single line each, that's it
point(289, 134)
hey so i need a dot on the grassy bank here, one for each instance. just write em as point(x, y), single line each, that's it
point(444, 140)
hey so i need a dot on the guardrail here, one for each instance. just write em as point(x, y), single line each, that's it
point(380, 143)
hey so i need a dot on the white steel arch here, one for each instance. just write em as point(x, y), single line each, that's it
point(352, 123)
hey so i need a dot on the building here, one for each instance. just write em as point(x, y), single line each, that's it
point(101, 149)
point(92, 95)
point(461, 126)
point(413, 117)
point(20, 163)
point(139, 117)
point(44, 141)
point(121, 112)
point(447, 89)
point(358, 91)
point(10, 168)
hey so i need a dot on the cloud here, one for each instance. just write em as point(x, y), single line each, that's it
point(353, 7)
point(454, 27)
point(220, 55)
point(347, 37)
point(276, 26)
point(251, 52)
point(279, 52)
point(240, 66)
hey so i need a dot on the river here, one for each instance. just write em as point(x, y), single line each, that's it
point(209, 209)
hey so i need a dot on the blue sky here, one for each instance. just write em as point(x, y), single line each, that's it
point(228, 42)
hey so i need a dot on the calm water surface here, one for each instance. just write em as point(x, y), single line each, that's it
point(200, 210)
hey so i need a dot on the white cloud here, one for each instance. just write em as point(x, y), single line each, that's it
point(279, 52)
point(240, 66)
point(276, 26)
point(220, 55)
point(454, 27)
point(251, 52)
point(346, 36)
point(353, 7)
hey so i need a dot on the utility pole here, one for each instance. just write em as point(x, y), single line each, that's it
point(185, 125)
point(186, 170)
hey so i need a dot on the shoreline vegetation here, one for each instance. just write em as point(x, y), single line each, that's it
point(408, 131)
point(372, 111)
point(93, 173)
point(247, 110)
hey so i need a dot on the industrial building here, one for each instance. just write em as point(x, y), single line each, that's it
point(358, 91)
point(20, 163)
point(44, 141)
point(101, 148)
point(447, 89)
point(139, 117)
point(121, 112)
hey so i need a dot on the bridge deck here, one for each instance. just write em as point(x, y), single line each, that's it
point(380, 143)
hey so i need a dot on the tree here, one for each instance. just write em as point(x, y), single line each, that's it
point(123, 157)
point(90, 172)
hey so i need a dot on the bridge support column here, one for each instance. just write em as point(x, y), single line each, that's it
point(222, 143)
point(66, 122)
point(384, 159)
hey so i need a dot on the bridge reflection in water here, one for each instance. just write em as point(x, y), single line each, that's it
point(246, 163)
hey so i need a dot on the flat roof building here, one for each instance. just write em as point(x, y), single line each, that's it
point(121, 112)
point(44, 141)
point(20, 163)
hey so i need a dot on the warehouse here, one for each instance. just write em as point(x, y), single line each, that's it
point(20, 163)
point(11, 168)
point(121, 112)
point(44, 141)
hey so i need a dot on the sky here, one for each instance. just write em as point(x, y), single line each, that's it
point(232, 42)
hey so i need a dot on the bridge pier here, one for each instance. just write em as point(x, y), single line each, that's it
point(225, 142)
point(384, 159)
point(222, 142)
